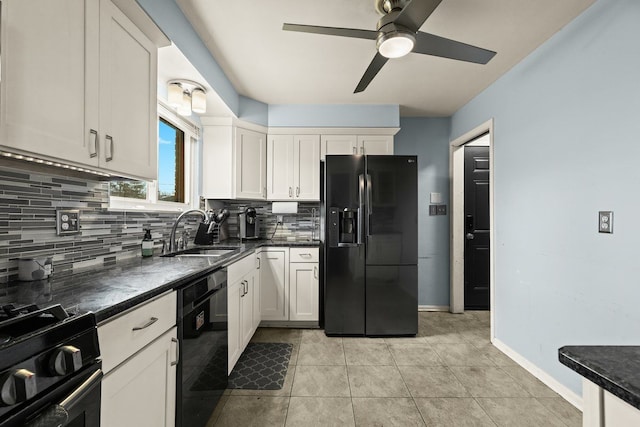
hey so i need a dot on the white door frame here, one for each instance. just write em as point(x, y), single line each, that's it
point(456, 174)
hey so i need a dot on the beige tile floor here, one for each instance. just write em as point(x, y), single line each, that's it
point(449, 375)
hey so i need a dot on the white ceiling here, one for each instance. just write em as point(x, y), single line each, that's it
point(274, 66)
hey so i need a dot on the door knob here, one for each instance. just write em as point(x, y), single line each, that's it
point(470, 236)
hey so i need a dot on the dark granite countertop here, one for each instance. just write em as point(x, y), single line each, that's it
point(109, 290)
point(614, 368)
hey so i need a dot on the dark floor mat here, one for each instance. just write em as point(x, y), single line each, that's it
point(262, 366)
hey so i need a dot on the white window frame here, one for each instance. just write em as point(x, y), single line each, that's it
point(191, 136)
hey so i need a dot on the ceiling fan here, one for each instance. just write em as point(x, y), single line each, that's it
point(398, 34)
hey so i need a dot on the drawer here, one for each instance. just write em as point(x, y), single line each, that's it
point(123, 336)
point(303, 255)
point(241, 267)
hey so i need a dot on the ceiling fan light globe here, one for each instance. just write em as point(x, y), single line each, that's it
point(396, 44)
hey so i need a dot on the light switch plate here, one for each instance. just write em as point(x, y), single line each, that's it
point(605, 222)
point(435, 198)
point(433, 210)
point(67, 221)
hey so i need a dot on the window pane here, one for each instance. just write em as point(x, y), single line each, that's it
point(131, 189)
point(170, 163)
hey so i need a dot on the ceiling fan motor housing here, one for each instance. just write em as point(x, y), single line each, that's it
point(385, 6)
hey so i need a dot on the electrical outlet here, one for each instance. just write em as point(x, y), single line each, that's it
point(67, 221)
point(605, 222)
point(441, 210)
point(280, 219)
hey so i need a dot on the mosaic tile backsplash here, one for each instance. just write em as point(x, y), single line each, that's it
point(28, 204)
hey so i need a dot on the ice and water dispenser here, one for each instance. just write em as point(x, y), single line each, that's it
point(343, 227)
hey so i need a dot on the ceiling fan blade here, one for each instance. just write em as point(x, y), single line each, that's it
point(332, 31)
point(372, 70)
point(415, 13)
point(430, 44)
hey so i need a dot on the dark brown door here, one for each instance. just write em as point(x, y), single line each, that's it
point(476, 212)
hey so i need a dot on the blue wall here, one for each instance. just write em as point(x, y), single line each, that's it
point(428, 138)
point(567, 127)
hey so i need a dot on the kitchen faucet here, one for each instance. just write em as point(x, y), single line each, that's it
point(206, 217)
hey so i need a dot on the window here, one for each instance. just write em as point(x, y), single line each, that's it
point(170, 162)
point(173, 189)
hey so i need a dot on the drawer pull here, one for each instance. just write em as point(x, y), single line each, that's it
point(146, 325)
point(315, 272)
point(306, 255)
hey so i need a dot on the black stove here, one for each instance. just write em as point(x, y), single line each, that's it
point(45, 354)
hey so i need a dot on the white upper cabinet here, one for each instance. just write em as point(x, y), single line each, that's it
point(356, 144)
point(78, 85)
point(234, 163)
point(293, 167)
point(128, 96)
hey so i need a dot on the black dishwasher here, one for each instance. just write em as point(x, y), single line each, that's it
point(202, 331)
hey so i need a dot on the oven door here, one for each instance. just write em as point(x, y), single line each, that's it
point(76, 403)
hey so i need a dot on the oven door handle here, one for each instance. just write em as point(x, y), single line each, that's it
point(58, 415)
point(207, 295)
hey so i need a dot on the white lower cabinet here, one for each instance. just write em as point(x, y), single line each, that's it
point(274, 283)
point(603, 409)
point(142, 391)
point(243, 306)
point(289, 283)
point(303, 291)
point(139, 357)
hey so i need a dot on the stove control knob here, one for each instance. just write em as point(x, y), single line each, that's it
point(17, 386)
point(65, 360)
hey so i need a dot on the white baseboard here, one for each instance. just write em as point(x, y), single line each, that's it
point(433, 308)
point(551, 382)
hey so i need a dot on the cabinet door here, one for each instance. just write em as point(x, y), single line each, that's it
point(128, 96)
point(307, 167)
point(375, 144)
point(44, 48)
point(141, 392)
point(280, 167)
point(234, 323)
point(250, 156)
point(303, 291)
point(338, 144)
point(246, 323)
point(274, 285)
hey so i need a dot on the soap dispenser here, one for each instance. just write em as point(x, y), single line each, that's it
point(147, 243)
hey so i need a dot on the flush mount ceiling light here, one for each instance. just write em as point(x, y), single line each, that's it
point(186, 96)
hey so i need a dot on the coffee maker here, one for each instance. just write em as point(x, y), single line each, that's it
point(248, 224)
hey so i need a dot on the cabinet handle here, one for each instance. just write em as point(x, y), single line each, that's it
point(297, 191)
point(258, 260)
point(146, 325)
point(290, 192)
point(173, 340)
point(362, 149)
point(109, 157)
point(243, 289)
point(306, 255)
point(355, 150)
point(93, 142)
point(246, 287)
point(315, 272)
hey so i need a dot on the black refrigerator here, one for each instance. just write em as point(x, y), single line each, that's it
point(370, 245)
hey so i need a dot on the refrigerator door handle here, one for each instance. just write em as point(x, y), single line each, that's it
point(361, 203)
point(369, 204)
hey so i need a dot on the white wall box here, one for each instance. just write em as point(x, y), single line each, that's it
point(139, 357)
point(293, 167)
point(234, 161)
point(84, 94)
point(243, 299)
point(289, 286)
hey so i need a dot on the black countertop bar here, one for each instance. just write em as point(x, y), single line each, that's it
point(110, 290)
point(614, 368)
